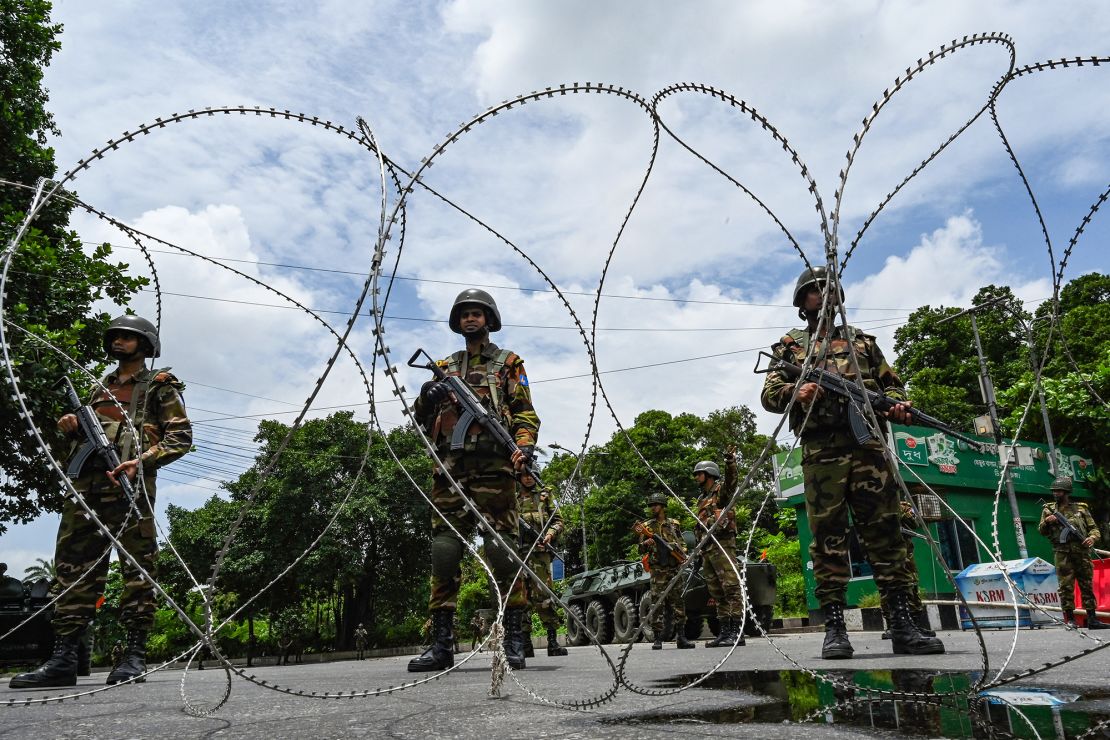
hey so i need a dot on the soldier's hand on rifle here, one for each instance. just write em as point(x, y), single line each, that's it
point(129, 468)
point(67, 424)
point(434, 392)
point(900, 412)
point(810, 392)
point(1090, 541)
point(522, 456)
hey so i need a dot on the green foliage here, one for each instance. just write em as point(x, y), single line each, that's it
point(44, 570)
point(782, 550)
point(870, 600)
point(53, 283)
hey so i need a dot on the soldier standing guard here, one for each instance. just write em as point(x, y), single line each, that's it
point(361, 636)
point(718, 559)
point(1073, 561)
point(536, 510)
point(483, 469)
point(843, 476)
point(152, 401)
point(664, 567)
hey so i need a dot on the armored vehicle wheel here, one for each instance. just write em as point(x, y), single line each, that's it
point(575, 634)
point(626, 618)
point(599, 621)
point(714, 624)
point(693, 626)
point(668, 621)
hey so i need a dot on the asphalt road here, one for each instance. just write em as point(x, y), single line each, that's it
point(748, 699)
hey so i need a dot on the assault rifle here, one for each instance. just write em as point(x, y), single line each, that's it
point(530, 531)
point(857, 396)
point(96, 441)
point(695, 572)
point(1068, 527)
point(661, 544)
point(472, 412)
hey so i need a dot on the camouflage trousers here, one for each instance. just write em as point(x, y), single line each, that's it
point(489, 483)
point(915, 594)
point(538, 600)
point(720, 580)
point(79, 549)
point(660, 577)
point(853, 480)
point(1073, 565)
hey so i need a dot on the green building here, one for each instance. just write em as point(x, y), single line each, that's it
point(964, 483)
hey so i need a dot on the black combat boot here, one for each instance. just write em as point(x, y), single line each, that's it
point(921, 619)
point(736, 634)
point(84, 666)
point(836, 644)
point(1069, 618)
point(440, 654)
point(680, 637)
point(529, 647)
point(553, 646)
point(514, 638)
point(60, 669)
point(134, 660)
point(905, 637)
point(722, 633)
point(1093, 622)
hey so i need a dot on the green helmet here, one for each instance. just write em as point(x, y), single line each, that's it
point(814, 276)
point(657, 498)
point(477, 297)
point(134, 324)
point(1062, 483)
point(709, 468)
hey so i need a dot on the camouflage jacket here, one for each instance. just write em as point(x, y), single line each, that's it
point(671, 532)
point(152, 400)
point(1077, 513)
point(498, 379)
point(710, 502)
point(536, 507)
point(830, 412)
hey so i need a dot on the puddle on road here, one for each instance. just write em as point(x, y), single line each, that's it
point(944, 711)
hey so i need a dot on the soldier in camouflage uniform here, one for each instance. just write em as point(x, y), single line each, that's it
point(484, 470)
point(152, 401)
point(1073, 558)
point(718, 560)
point(920, 616)
point(536, 510)
point(843, 476)
point(361, 636)
point(664, 567)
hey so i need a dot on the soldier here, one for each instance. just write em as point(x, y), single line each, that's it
point(477, 630)
point(718, 559)
point(361, 636)
point(483, 469)
point(920, 616)
point(536, 510)
point(1073, 561)
point(664, 567)
point(843, 476)
point(152, 401)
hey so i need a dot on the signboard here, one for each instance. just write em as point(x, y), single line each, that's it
point(985, 582)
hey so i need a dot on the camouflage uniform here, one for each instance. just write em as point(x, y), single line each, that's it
point(536, 509)
point(719, 560)
point(1073, 559)
point(482, 469)
point(908, 522)
point(663, 570)
point(842, 476)
point(361, 636)
point(153, 400)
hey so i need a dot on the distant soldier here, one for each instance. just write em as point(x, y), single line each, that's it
point(477, 630)
point(361, 636)
point(664, 567)
point(920, 616)
point(537, 510)
point(151, 401)
point(719, 560)
point(1072, 551)
point(483, 468)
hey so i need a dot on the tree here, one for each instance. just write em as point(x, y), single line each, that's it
point(44, 570)
point(52, 284)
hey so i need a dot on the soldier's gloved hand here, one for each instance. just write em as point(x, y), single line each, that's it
point(434, 392)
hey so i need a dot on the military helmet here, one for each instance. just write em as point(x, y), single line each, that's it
point(1062, 483)
point(476, 297)
point(709, 468)
point(657, 498)
point(810, 276)
point(136, 325)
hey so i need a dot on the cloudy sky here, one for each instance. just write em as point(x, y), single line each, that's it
point(698, 271)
